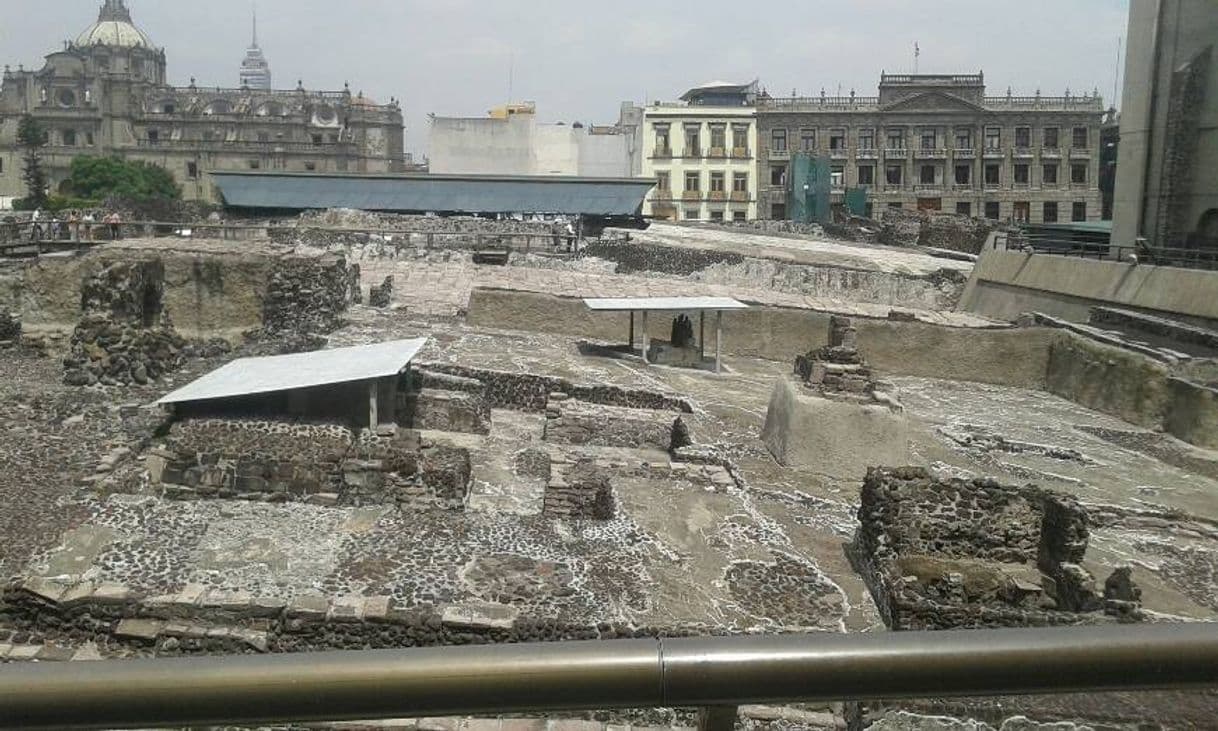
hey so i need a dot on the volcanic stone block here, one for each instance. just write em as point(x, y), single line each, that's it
point(837, 438)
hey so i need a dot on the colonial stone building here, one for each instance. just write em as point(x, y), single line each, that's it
point(938, 142)
point(106, 93)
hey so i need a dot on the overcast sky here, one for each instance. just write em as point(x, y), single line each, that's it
point(579, 59)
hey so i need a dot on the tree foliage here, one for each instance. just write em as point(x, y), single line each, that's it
point(99, 178)
point(32, 138)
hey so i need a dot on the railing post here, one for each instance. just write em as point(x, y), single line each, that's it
point(717, 718)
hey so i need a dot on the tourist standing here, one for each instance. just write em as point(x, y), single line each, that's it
point(115, 222)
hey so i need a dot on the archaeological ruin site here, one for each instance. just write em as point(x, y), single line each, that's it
point(356, 431)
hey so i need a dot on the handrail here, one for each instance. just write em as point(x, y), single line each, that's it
point(724, 671)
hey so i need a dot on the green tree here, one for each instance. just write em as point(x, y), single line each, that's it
point(99, 178)
point(32, 138)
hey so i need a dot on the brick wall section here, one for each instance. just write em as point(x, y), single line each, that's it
point(309, 295)
point(570, 421)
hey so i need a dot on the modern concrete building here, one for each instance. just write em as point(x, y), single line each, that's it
point(939, 142)
point(510, 141)
point(1167, 177)
point(106, 93)
point(255, 70)
point(702, 151)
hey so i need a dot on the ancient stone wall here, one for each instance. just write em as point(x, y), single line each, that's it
point(251, 460)
point(570, 421)
point(10, 327)
point(308, 295)
point(941, 554)
point(530, 392)
point(579, 491)
point(451, 411)
point(322, 464)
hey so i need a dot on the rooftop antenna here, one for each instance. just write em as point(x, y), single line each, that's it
point(254, 42)
point(917, 56)
point(1116, 76)
point(511, 76)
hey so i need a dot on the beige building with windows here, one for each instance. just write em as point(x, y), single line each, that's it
point(106, 93)
point(938, 142)
point(702, 152)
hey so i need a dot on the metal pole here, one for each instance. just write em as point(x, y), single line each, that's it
point(701, 337)
point(373, 403)
point(646, 337)
point(632, 331)
point(719, 341)
point(706, 672)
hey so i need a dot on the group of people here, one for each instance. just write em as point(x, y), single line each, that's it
point(74, 226)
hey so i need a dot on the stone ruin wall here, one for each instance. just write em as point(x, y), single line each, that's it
point(570, 421)
point(956, 554)
point(320, 464)
point(938, 291)
point(200, 621)
point(309, 295)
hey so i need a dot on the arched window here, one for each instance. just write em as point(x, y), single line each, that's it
point(219, 106)
point(69, 138)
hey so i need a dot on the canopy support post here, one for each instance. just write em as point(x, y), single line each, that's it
point(646, 342)
point(719, 341)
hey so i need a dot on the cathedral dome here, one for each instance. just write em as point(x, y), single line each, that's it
point(114, 28)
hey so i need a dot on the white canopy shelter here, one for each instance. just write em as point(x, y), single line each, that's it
point(253, 376)
point(702, 305)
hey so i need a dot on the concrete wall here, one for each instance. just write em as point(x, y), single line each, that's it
point(1006, 284)
point(205, 296)
point(1164, 36)
point(1011, 357)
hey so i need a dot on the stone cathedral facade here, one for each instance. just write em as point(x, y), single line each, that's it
point(106, 93)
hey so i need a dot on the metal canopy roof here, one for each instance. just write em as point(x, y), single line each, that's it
point(670, 304)
point(249, 376)
point(470, 194)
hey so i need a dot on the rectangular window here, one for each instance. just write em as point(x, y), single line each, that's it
point(693, 140)
point(1079, 142)
point(807, 139)
point(1078, 173)
point(192, 170)
point(866, 139)
point(89, 139)
point(1049, 175)
point(964, 174)
point(740, 183)
point(740, 216)
point(778, 140)
point(716, 216)
point(664, 181)
point(717, 183)
point(837, 176)
point(718, 136)
point(993, 138)
point(740, 136)
point(927, 175)
point(69, 138)
point(896, 139)
point(692, 214)
point(1022, 175)
point(897, 206)
point(154, 135)
point(317, 139)
point(930, 139)
point(993, 174)
point(310, 166)
point(693, 182)
point(993, 210)
point(1079, 212)
point(866, 175)
point(1023, 137)
point(778, 211)
point(964, 208)
point(964, 139)
point(255, 164)
point(837, 139)
point(778, 175)
point(1051, 137)
point(1050, 212)
point(663, 142)
point(892, 174)
point(1022, 211)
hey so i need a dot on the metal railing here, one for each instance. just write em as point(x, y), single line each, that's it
point(711, 673)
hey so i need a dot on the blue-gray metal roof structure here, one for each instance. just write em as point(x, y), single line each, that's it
point(469, 194)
